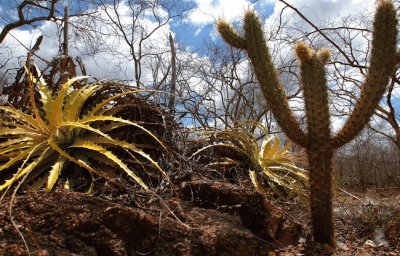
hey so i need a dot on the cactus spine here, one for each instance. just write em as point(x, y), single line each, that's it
point(318, 140)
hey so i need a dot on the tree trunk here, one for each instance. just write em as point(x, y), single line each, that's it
point(64, 59)
point(321, 196)
point(171, 103)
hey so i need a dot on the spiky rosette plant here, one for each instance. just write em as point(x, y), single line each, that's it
point(268, 163)
point(318, 140)
point(61, 132)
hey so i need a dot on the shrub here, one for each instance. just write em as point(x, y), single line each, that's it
point(269, 165)
point(62, 131)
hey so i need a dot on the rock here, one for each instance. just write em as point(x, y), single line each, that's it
point(370, 243)
point(256, 213)
point(342, 246)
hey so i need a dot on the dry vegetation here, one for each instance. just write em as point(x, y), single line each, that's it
point(92, 167)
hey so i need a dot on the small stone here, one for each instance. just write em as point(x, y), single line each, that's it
point(342, 246)
point(370, 243)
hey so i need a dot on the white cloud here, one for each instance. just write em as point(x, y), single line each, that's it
point(106, 54)
point(208, 11)
point(319, 12)
point(18, 41)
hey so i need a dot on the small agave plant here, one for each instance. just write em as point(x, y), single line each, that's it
point(38, 146)
point(269, 165)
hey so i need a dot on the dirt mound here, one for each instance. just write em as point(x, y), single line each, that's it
point(255, 212)
point(67, 223)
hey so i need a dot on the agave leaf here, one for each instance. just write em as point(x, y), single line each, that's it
point(284, 150)
point(259, 187)
point(112, 126)
point(14, 141)
point(126, 145)
point(297, 171)
point(18, 131)
point(44, 91)
point(83, 126)
point(115, 109)
point(270, 147)
point(79, 162)
point(75, 102)
point(54, 173)
point(218, 145)
point(66, 185)
point(16, 146)
point(111, 156)
point(91, 119)
point(241, 140)
point(271, 175)
point(65, 154)
point(34, 107)
point(91, 186)
point(100, 158)
point(54, 113)
point(20, 116)
point(13, 125)
point(25, 170)
point(22, 155)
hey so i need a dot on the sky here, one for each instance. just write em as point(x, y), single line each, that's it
point(198, 26)
point(107, 56)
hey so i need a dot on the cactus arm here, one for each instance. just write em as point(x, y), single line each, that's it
point(230, 35)
point(268, 77)
point(382, 64)
point(313, 79)
point(319, 151)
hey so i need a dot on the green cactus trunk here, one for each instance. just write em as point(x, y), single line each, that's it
point(317, 139)
point(321, 196)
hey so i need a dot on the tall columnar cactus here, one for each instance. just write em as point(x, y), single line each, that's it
point(318, 140)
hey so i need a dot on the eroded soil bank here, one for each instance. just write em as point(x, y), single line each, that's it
point(205, 218)
point(202, 217)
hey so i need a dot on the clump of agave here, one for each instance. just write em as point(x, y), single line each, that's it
point(271, 168)
point(62, 131)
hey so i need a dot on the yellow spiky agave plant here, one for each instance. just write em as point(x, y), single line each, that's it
point(39, 145)
point(269, 163)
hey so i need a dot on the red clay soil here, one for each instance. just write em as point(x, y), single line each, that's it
point(212, 218)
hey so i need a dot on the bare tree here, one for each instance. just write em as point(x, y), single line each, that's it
point(135, 24)
point(30, 12)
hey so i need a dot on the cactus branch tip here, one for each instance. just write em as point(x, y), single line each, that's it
point(324, 55)
point(250, 14)
point(383, 2)
point(221, 24)
point(304, 52)
point(230, 35)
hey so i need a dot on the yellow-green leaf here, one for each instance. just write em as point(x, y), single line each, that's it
point(111, 156)
point(55, 172)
